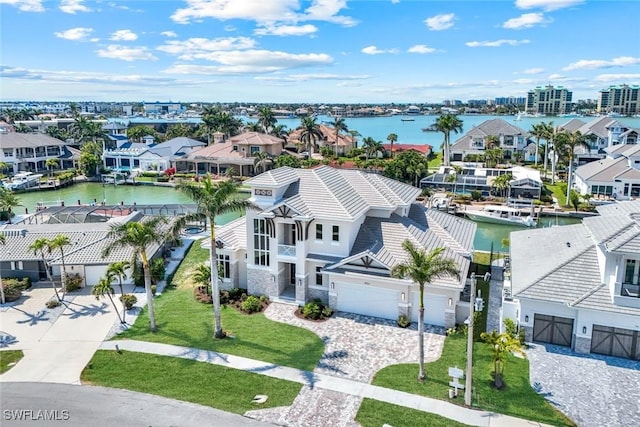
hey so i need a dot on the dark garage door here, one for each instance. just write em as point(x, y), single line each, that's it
point(552, 329)
point(615, 342)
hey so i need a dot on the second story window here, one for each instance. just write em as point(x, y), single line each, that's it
point(335, 234)
point(260, 242)
point(318, 231)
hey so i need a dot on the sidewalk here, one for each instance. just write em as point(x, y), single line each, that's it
point(326, 382)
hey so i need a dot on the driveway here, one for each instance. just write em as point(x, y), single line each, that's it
point(592, 390)
point(356, 347)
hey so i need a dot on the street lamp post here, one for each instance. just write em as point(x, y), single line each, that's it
point(467, 378)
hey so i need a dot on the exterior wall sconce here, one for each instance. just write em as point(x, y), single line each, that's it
point(450, 302)
point(584, 329)
point(299, 282)
point(403, 296)
point(526, 319)
point(273, 278)
point(333, 285)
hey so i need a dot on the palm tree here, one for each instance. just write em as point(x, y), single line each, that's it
point(102, 288)
point(253, 127)
point(501, 344)
point(138, 236)
point(539, 132)
point(213, 199)
point(569, 141)
point(8, 201)
point(280, 131)
point(261, 160)
point(38, 247)
point(59, 242)
point(392, 138)
point(310, 134)
point(51, 163)
point(446, 124)
point(340, 126)
point(56, 132)
point(3, 166)
point(548, 133)
point(3, 240)
point(422, 268)
point(502, 183)
point(266, 119)
point(202, 276)
point(181, 129)
point(118, 270)
point(372, 147)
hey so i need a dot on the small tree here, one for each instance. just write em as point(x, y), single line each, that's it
point(501, 345)
point(102, 288)
point(575, 199)
point(118, 270)
point(51, 164)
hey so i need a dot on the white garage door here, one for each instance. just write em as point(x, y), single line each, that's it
point(434, 307)
point(368, 300)
point(93, 273)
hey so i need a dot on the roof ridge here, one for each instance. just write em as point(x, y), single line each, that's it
point(633, 235)
point(324, 184)
point(456, 246)
point(587, 294)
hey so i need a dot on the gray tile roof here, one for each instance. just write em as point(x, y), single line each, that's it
point(598, 126)
point(233, 235)
point(572, 125)
point(605, 170)
point(33, 140)
point(618, 226)
point(493, 127)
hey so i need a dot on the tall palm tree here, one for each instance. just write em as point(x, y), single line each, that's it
point(392, 138)
point(56, 132)
point(178, 130)
point(139, 236)
point(253, 127)
point(372, 147)
point(261, 160)
point(568, 142)
point(213, 199)
point(267, 119)
point(548, 132)
point(280, 131)
point(539, 132)
point(311, 133)
point(502, 183)
point(102, 288)
point(39, 246)
point(59, 242)
point(446, 124)
point(118, 270)
point(51, 163)
point(8, 201)
point(3, 241)
point(340, 126)
point(422, 268)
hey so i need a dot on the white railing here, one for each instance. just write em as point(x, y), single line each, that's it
point(287, 250)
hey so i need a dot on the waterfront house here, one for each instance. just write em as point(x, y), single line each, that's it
point(510, 138)
point(335, 234)
point(424, 149)
point(617, 176)
point(30, 151)
point(578, 285)
point(346, 142)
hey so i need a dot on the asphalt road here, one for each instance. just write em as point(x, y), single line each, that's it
point(48, 404)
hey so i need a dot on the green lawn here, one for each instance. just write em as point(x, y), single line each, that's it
point(517, 399)
point(374, 413)
point(559, 191)
point(8, 358)
point(183, 321)
point(223, 388)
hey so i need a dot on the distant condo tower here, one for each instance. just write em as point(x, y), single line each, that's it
point(549, 101)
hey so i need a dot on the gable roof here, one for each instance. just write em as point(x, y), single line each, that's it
point(256, 138)
point(487, 128)
point(608, 169)
point(20, 140)
point(176, 146)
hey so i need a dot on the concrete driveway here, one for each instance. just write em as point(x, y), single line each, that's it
point(593, 390)
point(57, 343)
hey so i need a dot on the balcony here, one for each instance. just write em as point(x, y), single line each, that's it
point(629, 290)
point(287, 251)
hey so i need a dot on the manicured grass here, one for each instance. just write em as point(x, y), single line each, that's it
point(559, 191)
point(374, 413)
point(8, 358)
point(198, 382)
point(183, 321)
point(517, 398)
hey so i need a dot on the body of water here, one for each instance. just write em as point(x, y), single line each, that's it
point(88, 192)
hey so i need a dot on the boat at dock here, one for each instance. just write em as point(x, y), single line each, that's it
point(497, 214)
point(23, 180)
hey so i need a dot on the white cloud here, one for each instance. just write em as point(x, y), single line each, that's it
point(497, 43)
point(526, 20)
point(81, 77)
point(187, 49)
point(286, 30)
point(77, 34)
point(592, 64)
point(524, 81)
point(25, 5)
point(533, 71)
point(250, 61)
point(440, 22)
point(546, 5)
point(124, 35)
point(631, 78)
point(373, 50)
point(126, 53)
point(307, 77)
point(73, 6)
point(327, 10)
point(169, 34)
point(421, 48)
point(556, 76)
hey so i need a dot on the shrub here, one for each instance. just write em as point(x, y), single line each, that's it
point(18, 284)
point(251, 304)
point(163, 179)
point(316, 310)
point(476, 195)
point(72, 282)
point(235, 294)
point(12, 289)
point(224, 297)
point(202, 294)
point(403, 321)
point(128, 300)
point(153, 289)
point(52, 303)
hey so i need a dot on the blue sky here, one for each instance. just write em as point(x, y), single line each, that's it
point(359, 51)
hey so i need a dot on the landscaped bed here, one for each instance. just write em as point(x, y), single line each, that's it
point(8, 358)
point(197, 382)
point(517, 399)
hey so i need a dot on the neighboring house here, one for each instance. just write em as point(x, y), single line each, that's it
point(176, 148)
point(335, 234)
point(424, 149)
point(346, 142)
point(617, 176)
point(237, 151)
point(30, 151)
point(578, 285)
point(139, 156)
point(83, 256)
point(526, 182)
point(511, 139)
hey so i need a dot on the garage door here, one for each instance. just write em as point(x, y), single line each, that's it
point(434, 307)
point(552, 329)
point(93, 273)
point(615, 342)
point(368, 300)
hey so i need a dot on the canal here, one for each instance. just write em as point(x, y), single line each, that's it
point(87, 193)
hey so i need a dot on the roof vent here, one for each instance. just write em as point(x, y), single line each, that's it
point(568, 244)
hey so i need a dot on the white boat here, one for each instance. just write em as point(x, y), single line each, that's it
point(496, 214)
point(23, 180)
point(518, 117)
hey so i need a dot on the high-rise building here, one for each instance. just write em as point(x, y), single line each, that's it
point(549, 100)
point(623, 99)
point(510, 100)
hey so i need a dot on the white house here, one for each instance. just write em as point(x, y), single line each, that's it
point(617, 176)
point(578, 285)
point(511, 139)
point(336, 234)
